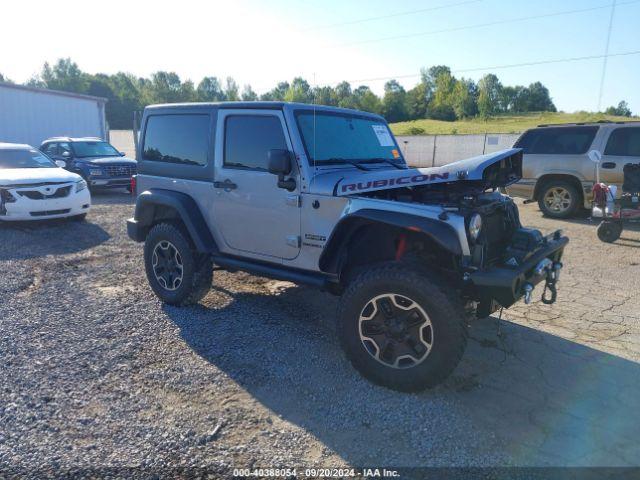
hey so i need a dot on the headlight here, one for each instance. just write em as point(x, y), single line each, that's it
point(80, 185)
point(475, 225)
point(95, 172)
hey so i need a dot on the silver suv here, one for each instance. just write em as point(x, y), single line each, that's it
point(557, 172)
point(322, 196)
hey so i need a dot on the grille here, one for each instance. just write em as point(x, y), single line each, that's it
point(36, 195)
point(497, 230)
point(49, 212)
point(120, 170)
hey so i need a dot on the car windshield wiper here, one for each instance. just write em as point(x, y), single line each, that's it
point(343, 160)
point(399, 166)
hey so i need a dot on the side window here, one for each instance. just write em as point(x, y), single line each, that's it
point(51, 149)
point(181, 138)
point(624, 142)
point(248, 139)
point(63, 147)
point(558, 141)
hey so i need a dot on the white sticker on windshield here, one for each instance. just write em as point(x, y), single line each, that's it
point(384, 137)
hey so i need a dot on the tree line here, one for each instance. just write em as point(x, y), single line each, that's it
point(439, 94)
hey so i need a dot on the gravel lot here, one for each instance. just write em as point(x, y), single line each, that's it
point(96, 372)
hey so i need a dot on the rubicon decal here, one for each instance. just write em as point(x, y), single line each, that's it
point(393, 182)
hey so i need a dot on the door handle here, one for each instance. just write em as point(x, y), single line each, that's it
point(226, 185)
point(609, 165)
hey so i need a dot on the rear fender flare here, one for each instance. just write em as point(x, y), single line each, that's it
point(188, 212)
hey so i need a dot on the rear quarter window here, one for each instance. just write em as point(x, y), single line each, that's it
point(557, 141)
point(624, 142)
point(177, 138)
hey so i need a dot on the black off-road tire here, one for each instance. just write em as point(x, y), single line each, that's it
point(609, 232)
point(575, 199)
point(197, 269)
point(445, 312)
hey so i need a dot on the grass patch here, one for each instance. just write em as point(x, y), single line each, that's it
point(499, 124)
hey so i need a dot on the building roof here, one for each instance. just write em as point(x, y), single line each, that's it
point(46, 91)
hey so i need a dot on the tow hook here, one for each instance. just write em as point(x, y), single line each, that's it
point(553, 275)
point(551, 271)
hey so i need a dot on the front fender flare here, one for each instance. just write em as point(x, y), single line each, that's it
point(441, 233)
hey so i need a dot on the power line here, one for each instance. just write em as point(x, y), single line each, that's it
point(501, 67)
point(479, 25)
point(606, 51)
point(392, 15)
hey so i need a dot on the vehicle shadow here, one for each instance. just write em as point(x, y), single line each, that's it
point(523, 397)
point(21, 240)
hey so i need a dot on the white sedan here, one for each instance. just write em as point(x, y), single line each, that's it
point(33, 187)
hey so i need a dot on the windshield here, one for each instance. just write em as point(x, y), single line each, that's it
point(31, 158)
point(94, 149)
point(344, 138)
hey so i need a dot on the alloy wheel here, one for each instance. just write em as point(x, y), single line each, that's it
point(167, 265)
point(558, 199)
point(395, 330)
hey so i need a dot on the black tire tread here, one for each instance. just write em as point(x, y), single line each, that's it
point(448, 303)
point(203, 272)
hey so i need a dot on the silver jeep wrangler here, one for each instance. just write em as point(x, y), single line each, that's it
point(322, 196)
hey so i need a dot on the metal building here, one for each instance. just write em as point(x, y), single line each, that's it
point(30, 115)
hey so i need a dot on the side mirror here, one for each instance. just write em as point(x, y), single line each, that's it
point(61, 163)
point(280, 164)
point(122, 154)
point(66, 154)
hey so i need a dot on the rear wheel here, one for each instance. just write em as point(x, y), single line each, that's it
point(559, 199)
point(609, 232)
point(399, 329)
point(177, 273)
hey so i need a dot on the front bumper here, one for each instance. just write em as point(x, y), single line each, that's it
point(24, 208)
point(99, 182)
point(506, 284)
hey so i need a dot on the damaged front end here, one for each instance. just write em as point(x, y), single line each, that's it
point(501, 261)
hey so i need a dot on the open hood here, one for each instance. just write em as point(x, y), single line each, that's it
point(493, 170)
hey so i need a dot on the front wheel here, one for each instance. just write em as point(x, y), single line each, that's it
point(177, 273)
point(400, 329)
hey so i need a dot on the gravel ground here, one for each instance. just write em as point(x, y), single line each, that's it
point(97, 373)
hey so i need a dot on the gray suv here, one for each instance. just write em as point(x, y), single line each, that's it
point(322, 196)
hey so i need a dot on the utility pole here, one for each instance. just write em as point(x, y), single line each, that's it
point(606, 56)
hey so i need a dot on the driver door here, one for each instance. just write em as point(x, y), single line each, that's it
point(253, 215)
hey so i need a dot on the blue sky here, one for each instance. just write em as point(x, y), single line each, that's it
point(260, 42)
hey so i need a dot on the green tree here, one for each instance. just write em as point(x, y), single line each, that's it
point(344, 95)
point(465, 98)
point(64, 75)
point(417, 101)
point(4, 79)
point(323, 96)
point(210, 90)
point(248, 95)
point(299, 91)
point(622, 109)
point(489, 95)
point(394, 102)
point(538, 98)
point(276, 94)
point(366, 100)
point(231, 90)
